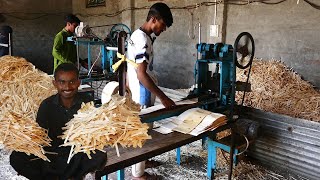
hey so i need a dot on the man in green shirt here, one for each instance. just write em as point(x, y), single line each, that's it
point(65, 51)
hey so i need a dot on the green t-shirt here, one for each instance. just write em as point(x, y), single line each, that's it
point(63, 51)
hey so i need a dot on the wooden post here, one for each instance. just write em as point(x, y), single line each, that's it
point(123, 67)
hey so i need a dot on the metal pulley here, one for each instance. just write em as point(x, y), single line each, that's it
point(244, 49)
point(83, 30)
point(114, 33)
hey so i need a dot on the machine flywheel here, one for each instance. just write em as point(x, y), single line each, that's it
point(243, 50)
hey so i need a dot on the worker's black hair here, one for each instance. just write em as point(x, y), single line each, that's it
point(66, 67)
point(161, 11)
point(70, 18)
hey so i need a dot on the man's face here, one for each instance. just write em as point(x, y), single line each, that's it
point(158, 26)
point(72, 26)
point(67, 84)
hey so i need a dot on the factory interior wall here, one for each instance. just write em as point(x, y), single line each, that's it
point(34, 24)
point(175, 49)
point(287, 31)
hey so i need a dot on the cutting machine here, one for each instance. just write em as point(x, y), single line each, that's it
point(215, 77)
point(108, 48)
point(215, 72)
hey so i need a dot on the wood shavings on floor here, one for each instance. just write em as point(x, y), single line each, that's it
point(6, 171)
point(194, 166)
point(278, 89)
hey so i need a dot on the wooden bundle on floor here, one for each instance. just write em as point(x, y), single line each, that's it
point(116, 122)
point(277, 89)
point(22, 88)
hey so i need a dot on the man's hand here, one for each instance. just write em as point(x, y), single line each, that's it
point(167, 102)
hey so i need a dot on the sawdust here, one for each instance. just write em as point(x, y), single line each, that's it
point(278, 89)
point(193, 166)
point(6, 171)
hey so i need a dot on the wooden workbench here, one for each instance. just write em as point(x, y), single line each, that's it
point(160, 143)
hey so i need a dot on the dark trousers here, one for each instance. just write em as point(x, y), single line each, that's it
point(58, 169)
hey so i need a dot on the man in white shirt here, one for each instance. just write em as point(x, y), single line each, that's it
point(141, 80)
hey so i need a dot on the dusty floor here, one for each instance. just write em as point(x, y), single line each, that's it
point(193, 166)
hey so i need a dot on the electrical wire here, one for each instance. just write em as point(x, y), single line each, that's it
point(94, 63)
point(247, 2)
point(188, 7)
point(313, 4)
point(273, 3)
point(38, 15)
point(247, 146)
point(105, 25)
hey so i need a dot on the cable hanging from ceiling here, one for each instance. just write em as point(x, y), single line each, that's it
point(188, 7)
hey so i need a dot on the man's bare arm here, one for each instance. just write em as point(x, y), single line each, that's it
point(147, 82)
